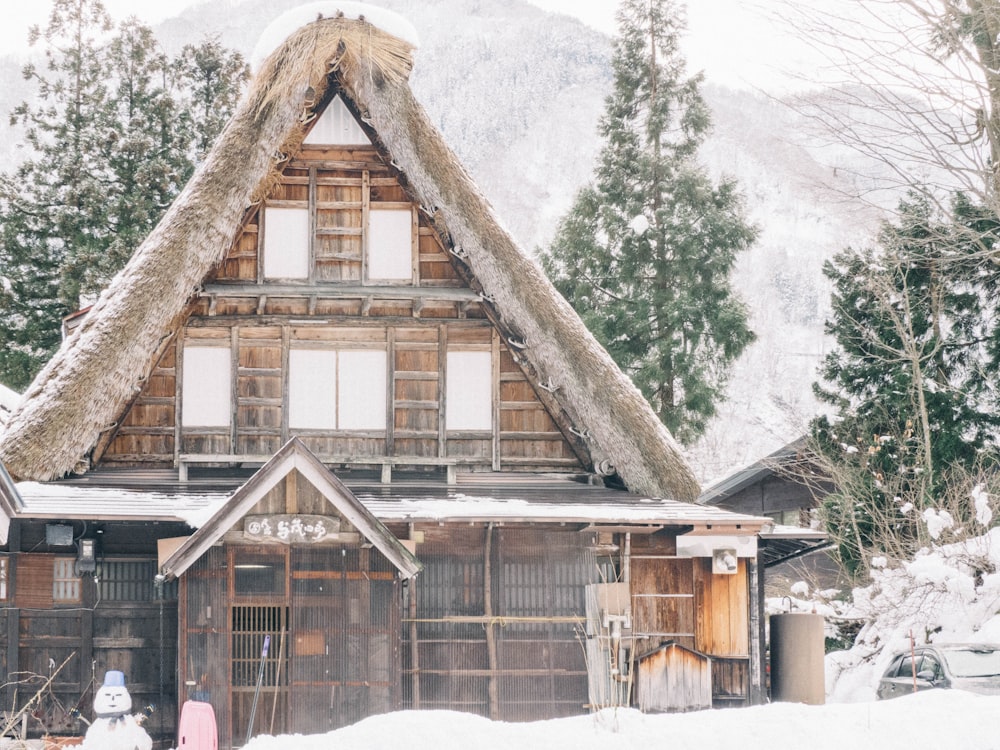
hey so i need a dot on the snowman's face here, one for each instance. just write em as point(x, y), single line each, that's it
point(112, 700)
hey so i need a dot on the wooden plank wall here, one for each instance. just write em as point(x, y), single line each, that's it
point(679, 599)
point(137, 638)
point(525, 435)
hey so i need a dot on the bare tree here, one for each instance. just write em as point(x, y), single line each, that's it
point(911, 85)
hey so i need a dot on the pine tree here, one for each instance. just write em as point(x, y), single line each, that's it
point(49, 205)
point(910, 377)
point(208, 72)
point(112, 136)
point(646, 251)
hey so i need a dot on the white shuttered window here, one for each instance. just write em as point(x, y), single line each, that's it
point(206, 387)
point(336, 390)
point(469, 392)
point(286, 243)
point(390, 244)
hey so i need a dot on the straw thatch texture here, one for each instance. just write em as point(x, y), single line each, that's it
point(96, 373)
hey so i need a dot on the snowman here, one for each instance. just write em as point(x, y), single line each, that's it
point(114, 728)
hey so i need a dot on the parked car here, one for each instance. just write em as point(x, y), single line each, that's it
point(961, 666)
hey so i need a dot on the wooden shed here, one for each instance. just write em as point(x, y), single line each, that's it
point(673, 678)
point(331, 403)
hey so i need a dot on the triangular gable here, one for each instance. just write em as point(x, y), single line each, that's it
point(293, 456)
point(336, 125)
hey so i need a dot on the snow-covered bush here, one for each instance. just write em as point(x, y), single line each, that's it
point(946, 593)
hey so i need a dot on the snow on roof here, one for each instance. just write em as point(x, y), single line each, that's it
point(392, 503)
point(55, 500)
point(284, 25)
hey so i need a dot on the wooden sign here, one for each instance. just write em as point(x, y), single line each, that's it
point(292, 529)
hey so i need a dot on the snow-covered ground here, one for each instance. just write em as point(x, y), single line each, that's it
point(939, 720)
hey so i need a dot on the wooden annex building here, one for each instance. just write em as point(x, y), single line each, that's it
point(330, 402)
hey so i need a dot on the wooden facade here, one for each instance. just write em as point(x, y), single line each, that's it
point(336, 307)
point(345, 443)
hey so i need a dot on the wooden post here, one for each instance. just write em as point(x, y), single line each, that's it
point(414, 642)
point(491, 644)
point(757, 691)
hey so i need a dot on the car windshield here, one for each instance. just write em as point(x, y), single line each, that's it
point(973, 661)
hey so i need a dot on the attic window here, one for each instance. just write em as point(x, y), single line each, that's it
point(337, 390)
point(286, 243)
point(206, 386)
point(337, 126)
point(390, 244)
point(469, 391)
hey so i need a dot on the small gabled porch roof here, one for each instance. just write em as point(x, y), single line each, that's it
point(293, 456)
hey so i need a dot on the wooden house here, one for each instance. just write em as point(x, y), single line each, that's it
point(786, 486)
point(331, 406)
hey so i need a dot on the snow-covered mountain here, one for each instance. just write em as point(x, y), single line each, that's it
point(517, 93)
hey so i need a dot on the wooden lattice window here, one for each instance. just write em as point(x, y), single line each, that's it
point(65, 581)
point(132, 581)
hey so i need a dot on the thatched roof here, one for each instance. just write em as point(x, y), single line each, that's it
point(87, 385)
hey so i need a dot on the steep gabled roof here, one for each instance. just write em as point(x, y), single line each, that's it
point(293, 456)
point(85, 388)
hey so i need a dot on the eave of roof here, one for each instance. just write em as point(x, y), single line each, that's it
point(552, 500)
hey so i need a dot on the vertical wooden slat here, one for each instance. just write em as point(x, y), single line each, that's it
point(495, 398)
point(415, 246)
point(312, 225)
point(442, 389)
point(234, 366)
point(365, 215)
point(178, 403)
point(291, 499)
point(286, 337)
point(390, 410)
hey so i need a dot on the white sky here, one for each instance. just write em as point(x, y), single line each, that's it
point(731, 40)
